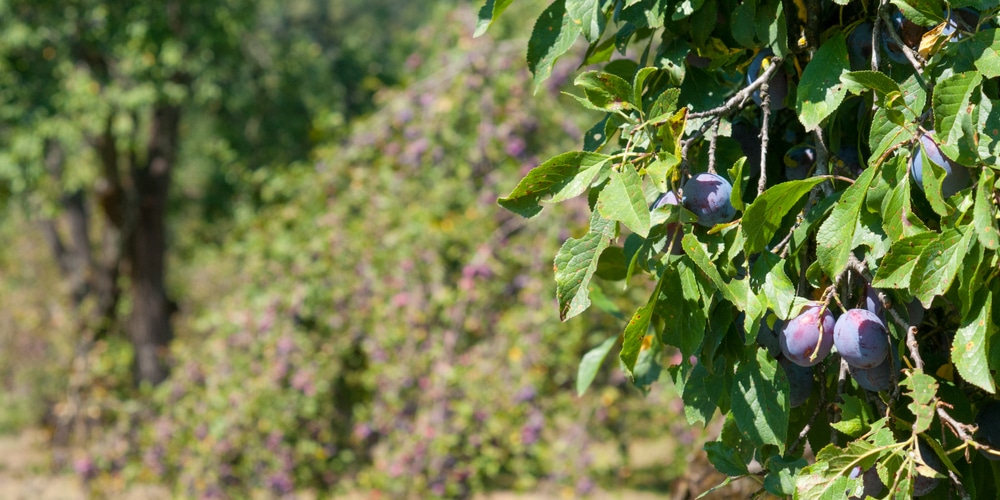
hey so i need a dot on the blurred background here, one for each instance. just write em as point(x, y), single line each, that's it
point(251, 249)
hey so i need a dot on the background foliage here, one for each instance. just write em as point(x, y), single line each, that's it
point(352, 311)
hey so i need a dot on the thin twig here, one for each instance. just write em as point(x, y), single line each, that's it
point(712, 142)
point(737, 100)
point(765, 104)
point(913, 57)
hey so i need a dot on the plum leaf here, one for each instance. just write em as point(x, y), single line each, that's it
point(759, 401)
point(554, 33)
point(575, 264)
point(821, 90)
point(763, 217)
point(622, 200)
point(833, 240)
point(591, 362)
point(969, 349)
point(563, 176)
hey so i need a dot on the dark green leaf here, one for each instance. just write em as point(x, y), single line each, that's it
point(763, 217)
point(760, 401)
point(554, 33)
point(922, 388)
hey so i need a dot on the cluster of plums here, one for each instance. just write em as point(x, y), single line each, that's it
point(860, 336)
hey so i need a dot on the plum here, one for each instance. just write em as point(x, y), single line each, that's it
point(964, 19)
point(916, 312)
point(956, 176)
point(768, 338)
point(801, 334)
point(707, 195)
point(923, 485)
point(799, 160)
point(675, 230)
point(859, 47)
point(777, 87)
point(847, 160)
point(800, 382)
point(910, 32)
point(873, 484)
point(877, 378)
point(873, 304)
point(988, 433)
point(861, 338)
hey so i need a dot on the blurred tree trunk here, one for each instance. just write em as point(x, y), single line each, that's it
point(149, 325)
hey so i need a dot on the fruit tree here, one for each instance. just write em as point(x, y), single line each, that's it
point(806, 192)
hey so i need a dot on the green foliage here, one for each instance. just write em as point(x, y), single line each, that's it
point(856, 222)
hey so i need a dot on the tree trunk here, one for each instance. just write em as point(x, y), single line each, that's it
point(149, 324)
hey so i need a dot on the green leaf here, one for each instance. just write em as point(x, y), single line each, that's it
point(922, 389)
point(897, 266)
point(937, 265)
point(680, 308)
point(554, 33)
point(606, 91)
point(725, 459)
point(575, 264)
point(809, 223)
point(731, 291)
point(833, 240)
point(760, 401)
point(639, 82)
point(699, 390)
point(736, 173)
point(921, 12)
point(969, 350)
point(763, 217)
point(782, 472)
point(635, 332)
point(563, 176)
point(587, 14)
point(987, 47)
point(489, 13)
point(951, 98)
point(899, 221)
point(983, 219)
point(820, 90)
point(622, 200)
point(659, 169)
point(854, 416)
point(591, 363)
point(860, 81)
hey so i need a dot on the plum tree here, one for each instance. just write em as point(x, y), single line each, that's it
point(707, 195)
point(800, 382)
point(777, 87)
point(799, 161)
point(861, 338)
point(988, 433)
point(865, 85)
point(807, 338)
point(956, 176)
point(674, 230)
